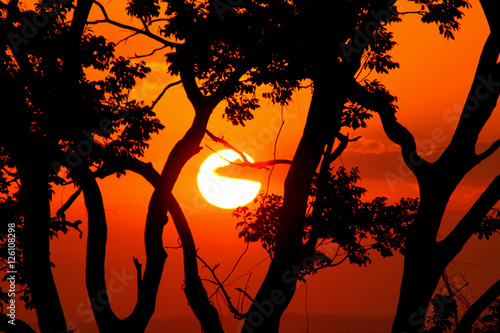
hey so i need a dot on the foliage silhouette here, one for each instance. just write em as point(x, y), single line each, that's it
point(426, 257)
point(219, 58)
point(344, 219)
point(44, 71)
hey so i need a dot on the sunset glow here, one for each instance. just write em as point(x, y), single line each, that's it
point(115, 191)
point(225, 192)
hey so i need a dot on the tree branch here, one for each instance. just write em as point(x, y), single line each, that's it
point(471, 222)
point(227, 145)
point(71, 200)
point(170, 85)
point(230, 305)
point(148, 54)
point(396, 132)
point(96, 254)
point(246, 162)
point(488, 152)
point(491, 10)
point(194, 290)
point(128, 27)
point(481, 101)
point(475, 310)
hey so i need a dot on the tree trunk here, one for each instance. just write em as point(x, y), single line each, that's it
point(96, 253)
point(277, 290)
point(420, 277)
point(33, 170)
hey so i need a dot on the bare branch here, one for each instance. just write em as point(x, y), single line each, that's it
point(230, 305)
point(65, 207)
point(258, 165)
point(481, 101)
point(237, 262)
point(475, 310)
point(470, 223)
point(245, 293)
point(148, 54)
point(344, 140)
point(488, 152)
point(138, 268)
point(227, 145)
point(398, 134)
point(124, 39)
point(452, 294)
point(170, 85)
point(246, 162)
point(419, 12)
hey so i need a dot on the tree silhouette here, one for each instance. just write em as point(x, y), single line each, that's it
point(426, 257)
point(44, 55)
point(337, 216)
point(222, 54)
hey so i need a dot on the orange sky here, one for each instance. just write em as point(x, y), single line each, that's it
point(431, 85)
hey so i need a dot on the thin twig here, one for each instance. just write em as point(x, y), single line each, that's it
point(227, 145)
point(244, 293)
point(170, 85)
point(148, 54)
point(128, 27)
point(231, 307)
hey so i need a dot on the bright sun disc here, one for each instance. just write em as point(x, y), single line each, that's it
point(225, 192)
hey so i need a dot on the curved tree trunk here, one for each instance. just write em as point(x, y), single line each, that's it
point(426, 258)
point(277, 290)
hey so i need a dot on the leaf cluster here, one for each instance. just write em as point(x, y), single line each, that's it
point(490, 321)
point(338, 216)
point(50, 102)
point(443, 314)
point(490, 225)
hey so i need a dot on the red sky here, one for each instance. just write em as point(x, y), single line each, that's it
point(431, 86)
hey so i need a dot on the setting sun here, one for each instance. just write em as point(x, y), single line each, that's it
point(225, 192)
